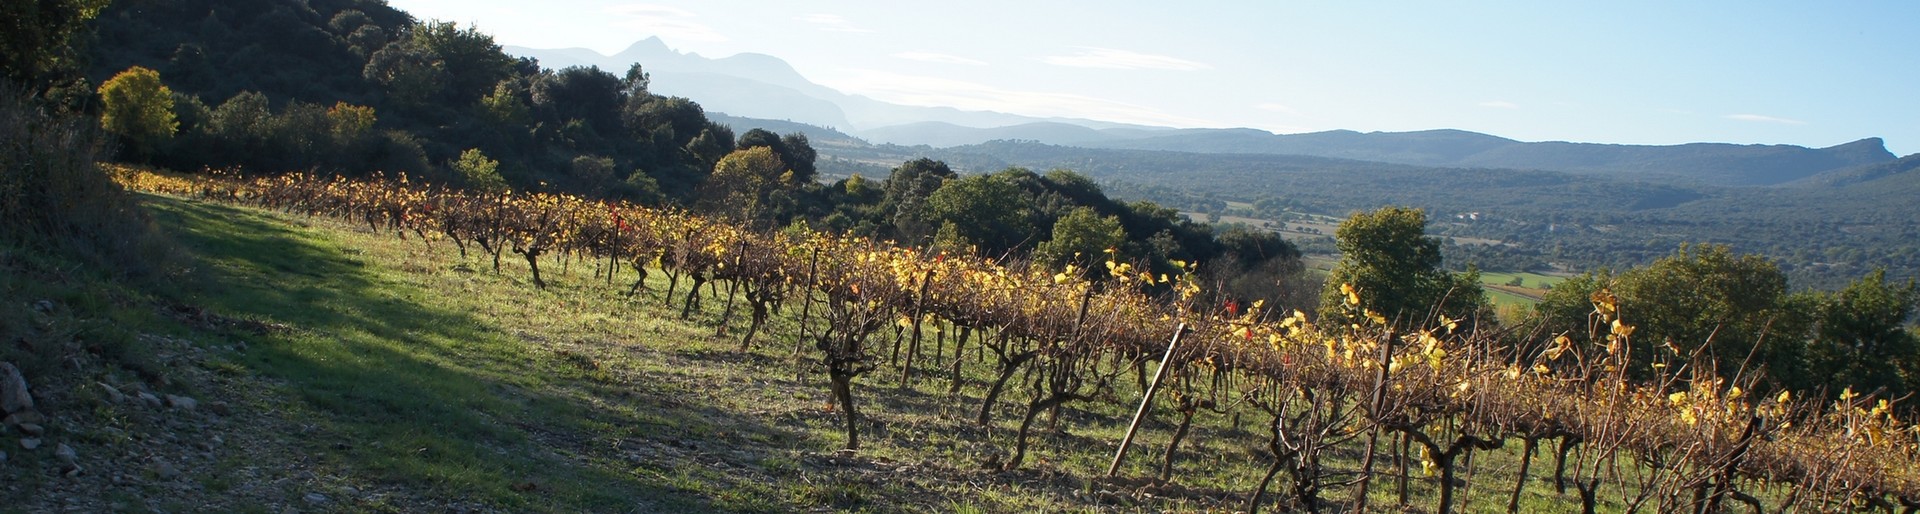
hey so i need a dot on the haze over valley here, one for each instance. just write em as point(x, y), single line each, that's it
point(1826, 213)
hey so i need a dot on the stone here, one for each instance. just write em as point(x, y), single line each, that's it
point(113, 394)
point(32, 429)
point(207, 446)
point(149, 399)
point(316, 498)
point(14, 396)
point(22, 418)
point(181, 402)
point(220, 408)
point(44, 306)
point(164, 469)
point(66, 453)
point(30, 442)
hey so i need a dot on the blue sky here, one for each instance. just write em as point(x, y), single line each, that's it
point(1805, 73)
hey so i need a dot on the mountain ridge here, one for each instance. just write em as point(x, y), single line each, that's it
point(761, 86)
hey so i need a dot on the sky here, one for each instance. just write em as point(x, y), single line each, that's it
point(1814, 74)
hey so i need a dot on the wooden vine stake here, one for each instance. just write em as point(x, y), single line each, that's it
point(1146, 400)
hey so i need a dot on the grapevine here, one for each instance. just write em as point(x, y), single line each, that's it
point(1432, 396)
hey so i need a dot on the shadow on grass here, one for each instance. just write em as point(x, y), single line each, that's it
point(404, 390)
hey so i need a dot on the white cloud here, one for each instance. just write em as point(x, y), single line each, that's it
point(959, 94)
point(1499, 104)
point(939, 58)
point(1108, 58)
point(1757, 118)
point(670, 23)
point(831, 23)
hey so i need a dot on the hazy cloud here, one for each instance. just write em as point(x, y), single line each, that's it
point(1499, 104)
point(1279, 108)
point(670, 23)
point(939, 58)
point(831, 23)
point(959, 94)
point(1756, 118)
point(1108, 58)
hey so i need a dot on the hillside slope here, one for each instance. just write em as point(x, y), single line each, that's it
point(340, 370)
point(1704, 163)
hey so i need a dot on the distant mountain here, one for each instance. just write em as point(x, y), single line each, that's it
point(753, 84)
point(763, 87)
point(816, 135)
point(1877, 175)
point(1707, 163)
point(941, 134)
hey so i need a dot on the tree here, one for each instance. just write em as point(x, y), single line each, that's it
point(1075, 186)
point(473, 63)
point(713, 143)
point(907, 189)
point(479, 172)
point(581, 93)
point(741, 181)
point(411, 75)
point(1861, 338)
point(503, 107)
point(986, 209)
point(35, 35)
point(1394, 268)
point(793, 149)
point(593, 171)
point(1259, 265)
point(351, 121)
point(1567, 307)
point(1704, 296)
point(138, 108)
point(1081, 236)
point(1703, 299)
point(799, 156)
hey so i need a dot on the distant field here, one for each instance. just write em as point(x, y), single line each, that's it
point(1533, 287)
point(1528, 280)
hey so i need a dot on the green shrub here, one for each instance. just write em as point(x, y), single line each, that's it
point(56, 197)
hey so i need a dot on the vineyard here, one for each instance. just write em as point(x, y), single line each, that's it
point(1412, 402)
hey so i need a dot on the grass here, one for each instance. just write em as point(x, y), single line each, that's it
point(409, 369)
point(1527, 279)
point(1504, 295)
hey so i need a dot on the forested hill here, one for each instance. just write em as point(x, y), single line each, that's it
point(352, 86)
point(1824, 230)
point(1706, 163)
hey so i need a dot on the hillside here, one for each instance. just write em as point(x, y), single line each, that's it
point(582, 396)
point(1825, 235)
point(338, 370)
point(1703, 163)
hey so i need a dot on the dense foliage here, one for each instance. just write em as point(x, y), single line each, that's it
point(1734, 313)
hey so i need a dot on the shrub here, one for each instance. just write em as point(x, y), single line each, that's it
point(56, 197)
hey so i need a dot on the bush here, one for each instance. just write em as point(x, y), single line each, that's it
point(72, 245)
point(56, 197)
